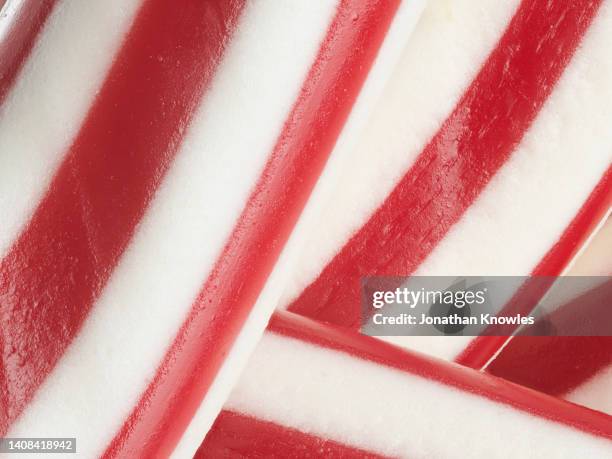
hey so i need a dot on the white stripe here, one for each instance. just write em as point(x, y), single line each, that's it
point(595, 393)
point(44, 110)
point(441, 58)
point(151, 291)
point(385, 61)
point(359, 403)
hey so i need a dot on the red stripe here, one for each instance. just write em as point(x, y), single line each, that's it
point(309, 134)
point(234, 435)
point(450, 374)
point(17, 44)
point(482, 348)
point(470, 147)
point(557, 364)
point(56, 269)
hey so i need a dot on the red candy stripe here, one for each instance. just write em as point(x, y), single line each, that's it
point(60, 263)
point(557, 364)
point(236, 435)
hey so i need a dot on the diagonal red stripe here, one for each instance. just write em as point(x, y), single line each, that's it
point(60, 263)
point(470, 147)
point(553, 365)
point(19, 40)
point(309, 134)
point(234, 435)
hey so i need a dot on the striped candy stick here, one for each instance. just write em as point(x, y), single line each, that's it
point(484, 146)
point(311, 388)
point(168, 156)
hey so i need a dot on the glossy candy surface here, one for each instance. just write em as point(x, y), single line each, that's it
point(167, 161)
point(495, 188)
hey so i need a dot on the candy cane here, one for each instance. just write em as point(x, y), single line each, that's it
point(170, 149)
